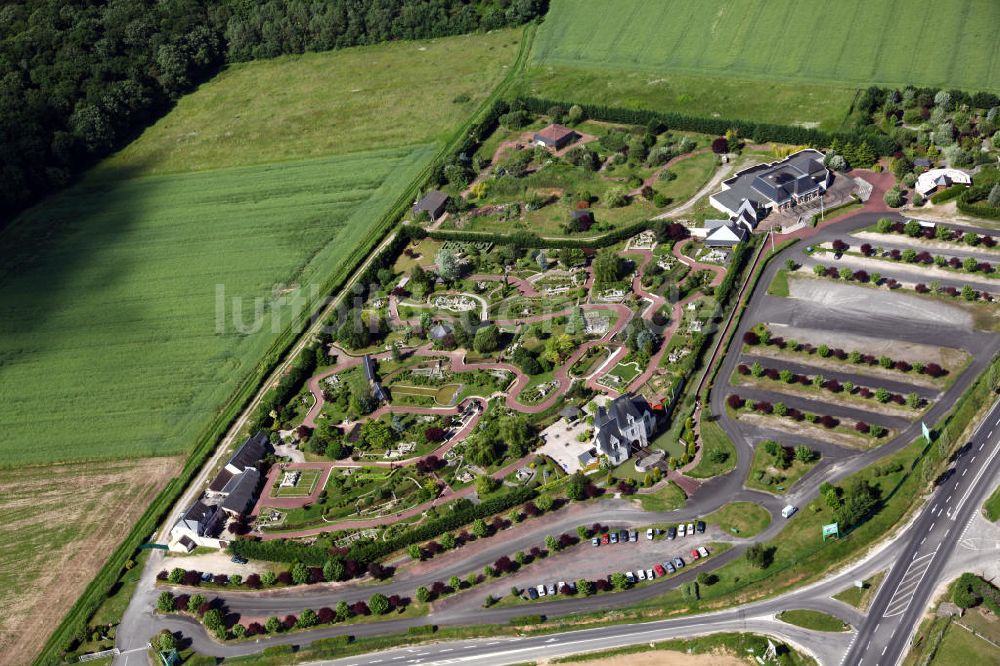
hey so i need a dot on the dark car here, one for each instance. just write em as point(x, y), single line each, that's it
point(236, 559)
point(623, 536)
point(671, 533)
point(701, 527)
point(532, 594)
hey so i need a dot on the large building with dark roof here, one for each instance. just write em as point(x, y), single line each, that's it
point(798, 178)
point(625, 425)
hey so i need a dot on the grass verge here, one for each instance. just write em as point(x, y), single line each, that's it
point(744, 519)
point(811, 619)
point(713, 439)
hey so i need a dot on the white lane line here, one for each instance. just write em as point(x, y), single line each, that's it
point(973, 460)
point(884, 649)
point(931, 528)
point(922, 541)
point(975, 481)
point(877, 626)
point(982, 445)
point(949, 499)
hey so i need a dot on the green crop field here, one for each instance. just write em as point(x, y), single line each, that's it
point(113, 292)
point(111, 346)
point(772, 60)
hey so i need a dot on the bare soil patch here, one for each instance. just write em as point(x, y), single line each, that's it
point(58, 524)
point(665, 658)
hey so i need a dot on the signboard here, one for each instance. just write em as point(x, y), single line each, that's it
point(831, 530)
point(926, 431)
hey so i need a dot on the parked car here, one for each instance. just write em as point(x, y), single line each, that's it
point(560, 586)
point(236, 559)
point(641, 575)
point(606, 538)
point(788, 511)
point(205, 577)
point(694, 554)
point(649, 534)
point(669, 566)
point(658, 568)
point(700, 526)
point(671, 533)
point(681, 530)
point(614, 537)
point(532, 593)
point(649, 574)
point(634, 536)
point(541, 590)
point(551, 589)
point(703, 551)
point(630, 577)
point(690, 529)
point(572, 586)
point(595, 542)
point(679, 562)
point(623, 537)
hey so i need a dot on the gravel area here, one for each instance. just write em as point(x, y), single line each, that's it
point(862, 301)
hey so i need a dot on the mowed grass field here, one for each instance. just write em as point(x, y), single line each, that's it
point(117, 329)
point(772, 60)
point(293, 107)
point(58, 523)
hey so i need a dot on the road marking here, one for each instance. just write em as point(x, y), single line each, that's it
point(884, 649)
point(877, 626)
point(931, 528)
point(949, 499)
point(973, 460)
point(975, 481)
point(445, 650)
point(990, 434)
point(908, 585)
point(922, 541)
point(982, 445)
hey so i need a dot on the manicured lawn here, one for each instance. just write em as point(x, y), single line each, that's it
point(714, 438)
point(779, 286)
point(304, 488)
point(846, 44)
point(357, 99)
point(811, 619)
point(764, 476)
point(744, 519)
point(667, 498)
point(692, 173)
point(992, 506)
point(861, 598)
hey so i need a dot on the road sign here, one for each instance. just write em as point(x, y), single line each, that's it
point(831, 530)
point(926, 431)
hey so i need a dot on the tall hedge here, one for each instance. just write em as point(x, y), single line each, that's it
point(973, 202)
point(281, 550)
point(758, 132)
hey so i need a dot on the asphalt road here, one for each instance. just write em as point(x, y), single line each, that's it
point(895, 613)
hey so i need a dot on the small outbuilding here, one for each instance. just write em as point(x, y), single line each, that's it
point(726, 234)
point(433, 203)
point(439, 332)
point(555, 136)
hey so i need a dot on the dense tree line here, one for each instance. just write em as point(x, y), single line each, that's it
point(80, 78)
point(277, 27)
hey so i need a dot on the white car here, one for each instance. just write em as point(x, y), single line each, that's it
point(541, 590)
point(649, 533)
point(649, 574)
point(690, 529)
point(630, 577)
point(642, 574)
point(681, 530)
point(703, 551)
point(788, 511)
point(560, 585)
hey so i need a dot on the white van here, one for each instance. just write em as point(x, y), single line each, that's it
point(788, 511)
